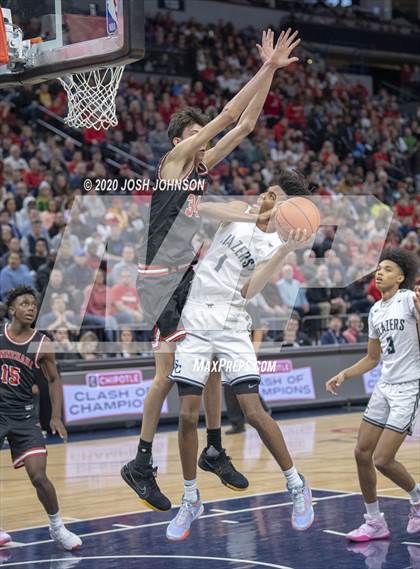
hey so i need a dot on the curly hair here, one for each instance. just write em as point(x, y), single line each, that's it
point(19, 291)
point(406, 261)
point(293, 183)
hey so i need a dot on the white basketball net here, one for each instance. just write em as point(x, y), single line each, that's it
point(91, 97)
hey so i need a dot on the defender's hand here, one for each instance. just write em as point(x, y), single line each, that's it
point(279, 56)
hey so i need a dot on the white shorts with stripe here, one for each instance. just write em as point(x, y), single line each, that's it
point(394, 406)
point(215, 332)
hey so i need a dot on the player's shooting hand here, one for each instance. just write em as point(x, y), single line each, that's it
point(417, 298)
point(332, 384)
point(298, 238)
point(57, 426)
point(279, 56)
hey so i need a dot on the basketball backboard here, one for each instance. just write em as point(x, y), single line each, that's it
point(69, 36)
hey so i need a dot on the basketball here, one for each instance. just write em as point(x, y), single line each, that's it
point(297, 213)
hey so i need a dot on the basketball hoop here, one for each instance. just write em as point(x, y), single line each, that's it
point(91, 97)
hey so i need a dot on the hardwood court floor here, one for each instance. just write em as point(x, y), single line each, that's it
point(86, 473)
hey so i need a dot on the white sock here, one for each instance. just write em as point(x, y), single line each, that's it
point(292, 477)
point(373, 509)
point(190, 490)
point(415, 494)
point(55, 521)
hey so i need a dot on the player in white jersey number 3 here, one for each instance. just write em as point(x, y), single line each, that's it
point(394, 324)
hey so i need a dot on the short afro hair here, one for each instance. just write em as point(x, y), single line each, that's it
point(19, 291)
point(184, 118)
point(406, 261)
point(293, 183)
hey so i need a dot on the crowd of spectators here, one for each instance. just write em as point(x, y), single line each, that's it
point(344, 140)
point(341, 14)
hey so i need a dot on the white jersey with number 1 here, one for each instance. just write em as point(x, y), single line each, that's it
point(236, 250)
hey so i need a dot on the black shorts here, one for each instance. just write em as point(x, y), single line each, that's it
point(166, 324)
point(24, 435)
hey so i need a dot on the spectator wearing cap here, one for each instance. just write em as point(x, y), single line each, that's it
point(13, 275)
point(333, 334)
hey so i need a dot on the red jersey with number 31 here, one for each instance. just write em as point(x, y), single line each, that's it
point(174, 220)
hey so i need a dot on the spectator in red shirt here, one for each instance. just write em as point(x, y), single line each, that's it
point(126, 302)
point(354, 328)
point(94, 307)
point(373, 293)
point(33, 177)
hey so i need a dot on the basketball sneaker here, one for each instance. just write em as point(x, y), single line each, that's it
point(143, 481)
point(179, 528)
point(303, 511)
point(219, 463)
point(70, 541)
point(373, 528)
point(4, 538)
point(414, 519)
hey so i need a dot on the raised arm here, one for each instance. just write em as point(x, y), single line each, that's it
point(264, 271)
point(231, 211)
point(284, 47)
point(187, 149)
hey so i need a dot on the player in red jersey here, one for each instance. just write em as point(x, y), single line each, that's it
point(23, 349)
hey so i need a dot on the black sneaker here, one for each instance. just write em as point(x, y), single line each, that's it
point(143, 482)
point(222, 466)
point(235, 429)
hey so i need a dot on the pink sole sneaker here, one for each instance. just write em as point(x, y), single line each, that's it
point(414, 519)
point(373, 528)
point(4, 538)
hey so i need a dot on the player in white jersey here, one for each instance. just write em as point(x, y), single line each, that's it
point(218, 325)
point(394, 324)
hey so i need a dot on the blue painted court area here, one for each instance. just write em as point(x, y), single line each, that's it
point(241, 533)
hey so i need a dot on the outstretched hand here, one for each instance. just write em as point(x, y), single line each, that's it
point(278, 56)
